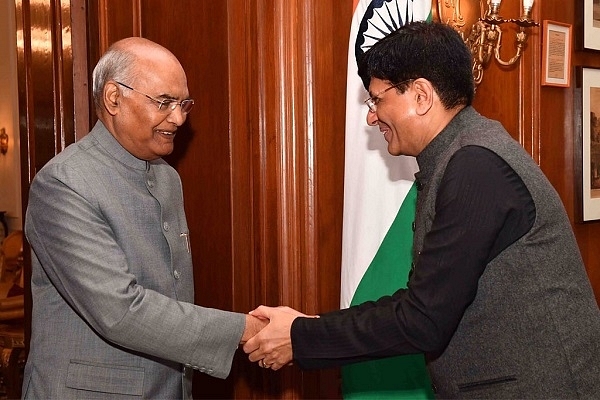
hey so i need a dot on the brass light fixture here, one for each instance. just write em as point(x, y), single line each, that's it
point(485, 37)
point(3, 141)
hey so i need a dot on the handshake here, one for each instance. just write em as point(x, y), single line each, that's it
point(267, 336)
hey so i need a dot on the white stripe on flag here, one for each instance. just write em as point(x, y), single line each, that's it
point(375, 183)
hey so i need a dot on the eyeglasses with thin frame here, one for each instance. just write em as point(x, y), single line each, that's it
point(166, 105)
point(372, 101)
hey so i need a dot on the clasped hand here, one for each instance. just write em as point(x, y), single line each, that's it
point(272, 346)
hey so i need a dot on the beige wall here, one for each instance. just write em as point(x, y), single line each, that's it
point(10, 192)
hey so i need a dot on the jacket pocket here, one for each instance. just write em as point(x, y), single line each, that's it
point(106, 378)
point(486, 383)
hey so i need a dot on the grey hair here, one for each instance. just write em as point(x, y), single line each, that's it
point(116, 64)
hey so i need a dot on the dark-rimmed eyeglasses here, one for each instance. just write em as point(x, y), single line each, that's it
point(372, 101)
point(166, 105)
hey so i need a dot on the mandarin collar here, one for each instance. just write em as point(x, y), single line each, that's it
point(428, 157)
point(114, 148)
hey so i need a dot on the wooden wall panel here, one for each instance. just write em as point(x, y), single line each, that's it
point(330, 68)
point(116, 20)
point(288, 74)
point(45, 80)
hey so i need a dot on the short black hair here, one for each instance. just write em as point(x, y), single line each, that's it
point(429, 50)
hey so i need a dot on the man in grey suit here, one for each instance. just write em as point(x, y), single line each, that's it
point(498, 299)
point(112, 285)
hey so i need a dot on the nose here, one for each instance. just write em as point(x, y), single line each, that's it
point(177, 116)
point(371, 118)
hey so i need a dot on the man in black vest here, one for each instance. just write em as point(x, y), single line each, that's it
point(498, 299)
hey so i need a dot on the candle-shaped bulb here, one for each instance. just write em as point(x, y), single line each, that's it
point(496, 2)
point(527, 4)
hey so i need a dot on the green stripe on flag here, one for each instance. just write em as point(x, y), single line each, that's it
point(402, 377)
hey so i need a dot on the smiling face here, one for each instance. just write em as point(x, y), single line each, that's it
point(394, 116)
point(134, 119)
point(408, 121)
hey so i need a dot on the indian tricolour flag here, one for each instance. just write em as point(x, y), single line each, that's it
point(379, 209)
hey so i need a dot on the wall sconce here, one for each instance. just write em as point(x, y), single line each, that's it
point(3, 141)
point(485, 37)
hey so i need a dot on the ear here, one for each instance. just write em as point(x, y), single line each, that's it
point(424, 95)
point(112, 97)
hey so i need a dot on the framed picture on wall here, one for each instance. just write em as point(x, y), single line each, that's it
point(591, 24)
point(556, 54)
point(587, 143)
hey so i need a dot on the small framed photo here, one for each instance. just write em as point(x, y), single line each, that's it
point(591, 24)
point(587, 143)
point(556, 54)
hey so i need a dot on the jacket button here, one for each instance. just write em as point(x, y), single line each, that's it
point(434, 388)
